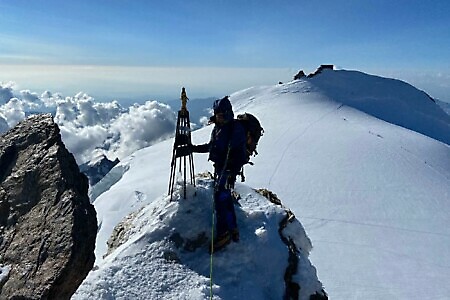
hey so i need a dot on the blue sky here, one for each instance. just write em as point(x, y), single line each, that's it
point(216, 47)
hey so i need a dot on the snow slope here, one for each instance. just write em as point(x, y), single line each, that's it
point(391, 100)
point(373, 197)
point(165, 255)
point(444, 105)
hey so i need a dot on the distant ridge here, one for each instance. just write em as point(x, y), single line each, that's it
point(391, 100)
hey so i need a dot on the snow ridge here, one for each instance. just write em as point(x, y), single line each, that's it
point(391, 100)
point(372, 196)
point(165, 253)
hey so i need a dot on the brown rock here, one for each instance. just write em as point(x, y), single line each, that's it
point(47, 225)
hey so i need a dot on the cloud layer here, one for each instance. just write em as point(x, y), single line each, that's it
point(89, 127)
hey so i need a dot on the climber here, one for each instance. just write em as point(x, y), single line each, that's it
point(227, 150)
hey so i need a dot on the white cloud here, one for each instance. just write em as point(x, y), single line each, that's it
point(13, 111)
point(88, 115)
point(83, 141)
point(89, 127)
point(108, 111)
point(6, 92)
point(3, 124)
point(65, 112)
point(142, 126)
point(204, 121)
point(30, 100)
point(29, 96)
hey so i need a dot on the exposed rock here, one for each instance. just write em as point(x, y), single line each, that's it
point(320, 69)
point(271, 196)
point(96, 169)
point(121, 232)
point(189, 244)
point(292, 288)
point(47, 225)
point(125, 229)
point(299, 75)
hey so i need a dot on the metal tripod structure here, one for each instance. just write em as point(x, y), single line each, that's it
point(182, 148)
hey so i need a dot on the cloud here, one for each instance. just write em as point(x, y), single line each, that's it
point(6, 92)
point(108, 111)
point(30, 100)
point(13, 111)
point(83, 141)
point(89, 127)
point(143, 126)
point(65, 112)
point(29, 96)
point(3, 124)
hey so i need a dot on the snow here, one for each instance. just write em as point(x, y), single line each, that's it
point(156, 262)
point(391, 100)
point(4, 272)
point(372, 196)
point(444, 105)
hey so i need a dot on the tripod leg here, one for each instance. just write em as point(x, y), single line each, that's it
point(170, 180)
point(172, 177)
point(184, 178)
point(172, 168)
point(191, 165)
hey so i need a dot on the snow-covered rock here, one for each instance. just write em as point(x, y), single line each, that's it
point(97, 168)
point(163, 253)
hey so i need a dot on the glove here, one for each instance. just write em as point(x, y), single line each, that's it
point(194, 148)
point(199, 148)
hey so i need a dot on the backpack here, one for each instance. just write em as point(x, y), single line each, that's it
point(253, 130)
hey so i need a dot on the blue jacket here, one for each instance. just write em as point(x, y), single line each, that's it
point(227, 140)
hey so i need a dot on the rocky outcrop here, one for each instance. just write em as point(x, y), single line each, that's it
point(292, 288)
point(96, 169)
point(320, 69)
point(47, 225)
point(299, 75)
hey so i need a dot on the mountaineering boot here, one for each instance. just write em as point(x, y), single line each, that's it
point(221, 242)
point(235, 235)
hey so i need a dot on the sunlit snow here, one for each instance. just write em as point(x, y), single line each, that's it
point(362, 161)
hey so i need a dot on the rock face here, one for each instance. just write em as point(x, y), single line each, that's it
point(320, 69)
point(47, 225)
point(299, 75)
point(97, 169)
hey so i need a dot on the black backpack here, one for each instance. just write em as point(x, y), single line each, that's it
point(254, 132)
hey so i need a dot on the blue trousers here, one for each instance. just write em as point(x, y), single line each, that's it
point(223, 202)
